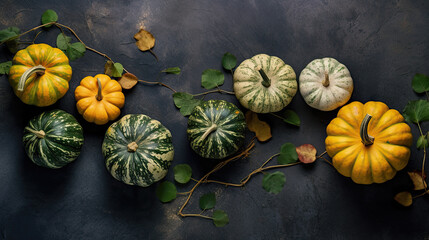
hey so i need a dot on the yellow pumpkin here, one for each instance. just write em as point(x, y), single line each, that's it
point(40, 74)
point(99, 99)
point(368, 142)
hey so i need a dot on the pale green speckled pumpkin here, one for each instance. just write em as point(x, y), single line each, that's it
point(264, 84)
point(138, 150)
point(325, 84)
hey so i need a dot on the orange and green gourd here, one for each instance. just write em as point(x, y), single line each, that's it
point(368, 142)
point(40, 74)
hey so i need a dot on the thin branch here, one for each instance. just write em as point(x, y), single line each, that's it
point(22, 34)
point(158, 83)
point(195, 215)
point(213, 91)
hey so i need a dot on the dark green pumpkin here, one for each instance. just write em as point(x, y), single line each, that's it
point(53, 139)
point(138, 150)
point(216, 129)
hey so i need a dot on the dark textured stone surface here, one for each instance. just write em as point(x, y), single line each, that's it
point(383, 43)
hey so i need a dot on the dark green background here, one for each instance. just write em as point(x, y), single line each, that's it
point(383, 43)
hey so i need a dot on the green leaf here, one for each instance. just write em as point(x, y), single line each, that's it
point(416, 111)
point(420, 83)
point(75, 50)
point(182, 173)
point(207, 201)
point(220, 218)
point(229, 61)
point(422, 142)
point(166, 191)
point(5, 67)
point(274, 182)
point(9, 34)
point(172, 70)
point(63, 41)
point(288, 154)
point(49, 16)
point(185, 102)
point(117, 70)
point(289, 116)
point(212, 78)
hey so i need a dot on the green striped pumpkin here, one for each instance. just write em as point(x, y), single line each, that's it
point(325, 84)
point(53, 139)
point(138, 150)
point(216, 129)
point(264, 84)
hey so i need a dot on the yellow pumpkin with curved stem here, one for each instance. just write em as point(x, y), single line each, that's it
point(368, 142)
point(40, 74)
point(99, 99)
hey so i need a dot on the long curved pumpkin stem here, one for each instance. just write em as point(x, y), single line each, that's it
point(212, 128)
point(99, 93)
point(39, 69)
point(366, 138)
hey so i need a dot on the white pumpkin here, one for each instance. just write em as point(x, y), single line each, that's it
point(264, 84)
point(325, 84)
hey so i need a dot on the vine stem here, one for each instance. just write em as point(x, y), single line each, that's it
point(158, 83)
point(424, 159)
point(35, 28)
point(214, 91)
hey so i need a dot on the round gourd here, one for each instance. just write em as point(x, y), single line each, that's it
point(368, 142)
point(216, 129)
point(99, 99)
point(40, 74)
point(264, 84)
point(53, 139)
point(138, 150)
point(325, 84)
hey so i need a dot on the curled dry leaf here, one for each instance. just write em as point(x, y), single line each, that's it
point(404, 198)
point(306, 153)
point(260, 128)
point(418, 180)
point(145, 40)
point(128, 81)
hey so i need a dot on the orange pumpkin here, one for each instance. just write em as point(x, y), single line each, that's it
point(40, 74)
point(99, 99)
point(368, 142)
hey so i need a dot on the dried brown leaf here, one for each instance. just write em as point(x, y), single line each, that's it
point(108, 68)
point(404, 198)
point(145, 40)
point(418, 180)
point(260, 128)
point(128, 81)
point(306, 153)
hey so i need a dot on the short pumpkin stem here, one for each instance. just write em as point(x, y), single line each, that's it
point(39, 134)
point(212, 128)
point(99, 94)
point(325, 81)
point(132, 147)
point(39, 69)
point(366, 138)
point(266, 81)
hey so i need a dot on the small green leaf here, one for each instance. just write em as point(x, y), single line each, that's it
point(5, 67)
point(9, 34)
point(63, 41)
point(166, 191)
point(182, 173)
point(289, 116)
point(75, 50)
point(220, 218)
point(207, 201)
point(422, 142)
point(117, 70)
point(212, 78)
point(229, 61)
point(172, 70)
point(288, 154)
point(417, 111)
point(420, 83)
point(185, 102)
point(49, 16)
point(274, 182)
